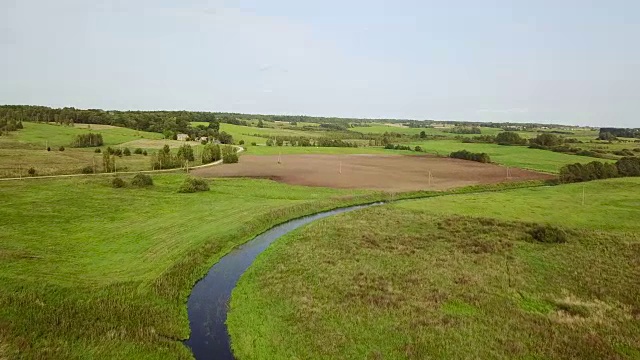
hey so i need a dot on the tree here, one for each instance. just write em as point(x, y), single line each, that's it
point(108, 162)
point(423, 134)
point(269, 142)
point(229, 155)
point(260, 123)
point(127, 152)
point(214, 124)
point(185, 153)
point(225, 138)
point(211, 153)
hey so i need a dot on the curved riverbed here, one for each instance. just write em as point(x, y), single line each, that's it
point(207, 304)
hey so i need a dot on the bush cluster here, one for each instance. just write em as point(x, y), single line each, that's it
point(398, 147)
point(193, 184)
point(467, 155)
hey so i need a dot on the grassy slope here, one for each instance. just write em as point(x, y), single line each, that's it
point(88, 270)
point(517, 156)
point(246, 133)
point(37, 135)
point(414, 281)
point(23, 149)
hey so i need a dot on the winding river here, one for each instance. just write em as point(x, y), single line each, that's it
point(207, 304)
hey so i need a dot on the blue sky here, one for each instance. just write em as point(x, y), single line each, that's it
point(571, 62)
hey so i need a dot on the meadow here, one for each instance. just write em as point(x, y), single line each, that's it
point(455, 276)
point(88, 270)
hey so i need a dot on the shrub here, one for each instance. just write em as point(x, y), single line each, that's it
point(87, 169)
point(548, 234)
point(466, 155)
point(118, 183)
point(97, 151)
point(269, 142)
point(48, 148)
point(61, 148)
point(144, 152)
point(127, 152)
point(141, 180)
point(117, 152)
point(254, 144)
point(137, 151)
point(31, 171)
point(418, 148)
point(229, 155)
point(193, 184)
point(241, 142)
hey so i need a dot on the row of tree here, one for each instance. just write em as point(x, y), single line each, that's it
point(7, 125)
point(87, 140)
point(627, 166)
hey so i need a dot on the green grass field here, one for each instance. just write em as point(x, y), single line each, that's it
point(516, 156)
point(89, 271)
point(452, 277)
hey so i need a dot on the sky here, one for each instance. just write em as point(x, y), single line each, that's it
point(546, 61)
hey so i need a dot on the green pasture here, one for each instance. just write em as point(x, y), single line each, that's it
point(452, 277)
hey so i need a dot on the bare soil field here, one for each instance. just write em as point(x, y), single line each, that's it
point(381, 172)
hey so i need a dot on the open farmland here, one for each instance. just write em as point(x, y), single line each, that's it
point(453, 277)
point(390, 173)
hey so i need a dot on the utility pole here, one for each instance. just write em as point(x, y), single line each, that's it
point(583, 195)
point(340, 167)
point(279, 157)
point(429, 178)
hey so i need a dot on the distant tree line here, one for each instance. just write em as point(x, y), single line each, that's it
point(626, 166)
point(467, 155)
point(612, 133)
point(464, 130)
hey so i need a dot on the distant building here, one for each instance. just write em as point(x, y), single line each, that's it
point(182, 137)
